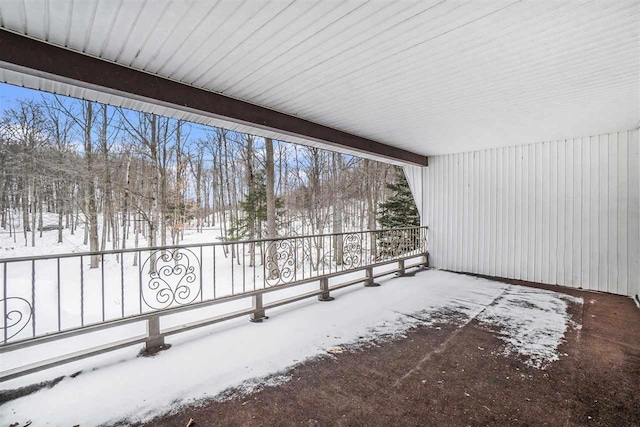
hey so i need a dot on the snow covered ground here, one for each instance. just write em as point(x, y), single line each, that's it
point(204, 363)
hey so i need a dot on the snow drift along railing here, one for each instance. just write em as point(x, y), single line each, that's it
point(53, 297)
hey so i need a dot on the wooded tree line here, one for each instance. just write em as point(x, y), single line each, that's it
point(122, 177)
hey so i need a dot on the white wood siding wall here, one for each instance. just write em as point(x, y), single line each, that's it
point(563, 212)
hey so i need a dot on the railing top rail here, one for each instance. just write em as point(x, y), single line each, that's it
point(194, 245)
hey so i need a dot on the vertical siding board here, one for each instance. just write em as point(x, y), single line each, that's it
point(506, 227)
point(486, 199)
point(511, 236)
point(451, 200)
point(561, 196)
point(594, 206)
point(498, 253)
point(519, 202)
point(603, 212)
point(612, 214)
point(426, 195)
point(579, 280)
point(552, 213)
point(461, 205)
point(434, 213)
point(434, 241)
point(442, 225)
point(497, 216)
point(586, 229)
point(476, 211)
point(507, 181)
point(491, 212)
point(527, 214)
point(482, 170)
point(623, 211)
point(451, 214)
point(468, 212)
point(569, 222)
point(439, 227)
point(437, 224)
point(538, 238)
point(464, 191)
point(545, 209)
point(450, 211)
point(453, 241)
point(458, 212)
point(634, 213)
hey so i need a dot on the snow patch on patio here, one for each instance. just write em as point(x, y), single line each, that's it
point(237, 358)
point(532, 322)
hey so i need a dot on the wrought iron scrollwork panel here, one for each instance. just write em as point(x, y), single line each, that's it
point(352, 251)
point(172, 278)
point(280, 262)
point(18, 316)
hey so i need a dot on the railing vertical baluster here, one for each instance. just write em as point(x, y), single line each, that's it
point(254, 267)
point(264, 268)
point(302, 248)
point(33, 297)
point(81, 291)
point(362, 261)
point(321, 257)
point(295, 259)
point(4, 301)
point(243, 268)
point(122, 284)
point(233, 288)
point(201, 261)
point(58, 271)
point(214, 271)
point(102, 274)
point(140, 279)
point(330, 241)
point(364, 246)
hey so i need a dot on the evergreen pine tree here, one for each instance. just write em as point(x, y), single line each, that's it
point(254, 207)
point(399, 210)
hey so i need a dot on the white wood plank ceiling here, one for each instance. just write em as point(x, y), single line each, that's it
point(431, 76)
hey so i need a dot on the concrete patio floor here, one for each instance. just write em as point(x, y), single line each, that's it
point(453, 375)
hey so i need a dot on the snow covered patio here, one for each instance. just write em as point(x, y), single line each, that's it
point(436, 348)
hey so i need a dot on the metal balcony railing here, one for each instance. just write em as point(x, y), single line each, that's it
point(55, 297)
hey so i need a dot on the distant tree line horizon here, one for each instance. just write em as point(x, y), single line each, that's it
point(115, 174)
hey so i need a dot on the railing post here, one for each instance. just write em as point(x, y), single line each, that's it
point(154, 340)
point(425, 264)
point(369, 282)
point(258, 309)
point(401, 271)
point(324, 287)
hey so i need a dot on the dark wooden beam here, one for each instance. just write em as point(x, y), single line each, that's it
point(40, 58)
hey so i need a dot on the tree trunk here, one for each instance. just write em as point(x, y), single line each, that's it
point(90, 185)
point(338, 242)
point(271, 199)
